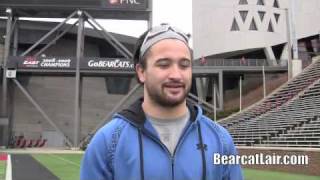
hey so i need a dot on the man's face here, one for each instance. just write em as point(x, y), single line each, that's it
point(168, 73)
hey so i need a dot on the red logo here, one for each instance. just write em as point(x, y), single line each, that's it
point(30, 61)
point(114, 1)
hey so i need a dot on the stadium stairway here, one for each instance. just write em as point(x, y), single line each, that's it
point(287, 117)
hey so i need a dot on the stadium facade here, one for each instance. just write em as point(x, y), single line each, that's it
point(242, 31)
point(236, 28)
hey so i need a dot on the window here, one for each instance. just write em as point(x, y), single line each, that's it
point(260, 2)
point(276, 4)
point(261, 15)
point(276, 16)
point(243, 15)
point(241, 2)
point(234, 26)
point(270, 27)
point(253, 25)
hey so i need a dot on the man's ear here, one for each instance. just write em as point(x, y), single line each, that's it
point(140, 73)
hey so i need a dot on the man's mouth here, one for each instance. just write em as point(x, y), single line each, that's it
point(174, 85)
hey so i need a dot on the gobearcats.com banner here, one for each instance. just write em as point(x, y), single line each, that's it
point(108, 63)
point(261, 159)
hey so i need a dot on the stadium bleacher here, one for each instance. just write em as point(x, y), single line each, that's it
point(288, 117)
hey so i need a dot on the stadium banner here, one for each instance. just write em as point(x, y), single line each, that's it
point(31, 62)
point(69, 63)
point(84, 4)
point(95, 63)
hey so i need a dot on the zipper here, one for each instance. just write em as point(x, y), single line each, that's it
point(189, 125)
point(171, 157)
point(182, 137)
point(154, 138)
point(172, 167)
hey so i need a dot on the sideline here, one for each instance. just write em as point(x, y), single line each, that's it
point(25, 167)
point(9, 168)
point(65, 160)
point(279, 148)
point(41, 150)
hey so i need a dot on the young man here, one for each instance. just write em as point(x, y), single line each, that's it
point(161, 136)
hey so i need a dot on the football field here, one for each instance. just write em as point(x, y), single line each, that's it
point(67, 167)
point(64, 166)
point(252, 174)
point(2, 170)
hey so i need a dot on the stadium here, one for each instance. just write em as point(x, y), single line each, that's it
point(256, 71)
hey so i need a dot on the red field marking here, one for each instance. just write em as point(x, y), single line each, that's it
point(3, 157)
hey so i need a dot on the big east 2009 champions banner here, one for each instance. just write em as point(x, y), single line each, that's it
point(60, 63)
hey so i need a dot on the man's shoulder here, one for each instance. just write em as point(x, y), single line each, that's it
point(215, 126)
point(108, 133)
point(209, 122)
point(116, 124)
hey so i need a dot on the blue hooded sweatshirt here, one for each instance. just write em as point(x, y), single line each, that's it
point(129, 148)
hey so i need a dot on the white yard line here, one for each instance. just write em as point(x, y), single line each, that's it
point(65, 160)
point(9, 168)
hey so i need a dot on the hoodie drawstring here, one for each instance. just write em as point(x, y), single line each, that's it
point(203, 155)
point(141, 155)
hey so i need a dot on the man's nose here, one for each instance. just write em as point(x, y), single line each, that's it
point(175, 72)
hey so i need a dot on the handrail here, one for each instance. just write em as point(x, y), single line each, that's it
point(207, 106)
point(231, 62)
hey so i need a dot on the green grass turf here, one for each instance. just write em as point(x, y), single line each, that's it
point(2, 170)
point(64, 166)
point(67, 167)
point(252, 174)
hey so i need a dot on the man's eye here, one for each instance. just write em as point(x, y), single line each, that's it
point(185, 63)
point(163, 64)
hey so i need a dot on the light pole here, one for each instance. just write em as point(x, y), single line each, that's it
point(289, 63)
point(319, 42)
point(214, 100)
point(240, 92)
point(264, 81)
point(293, 28)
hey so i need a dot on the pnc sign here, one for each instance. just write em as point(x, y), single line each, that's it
point(99, 4)
point(114, 2)
point(134, 4)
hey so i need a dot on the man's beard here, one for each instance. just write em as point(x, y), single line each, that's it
point(159, 96)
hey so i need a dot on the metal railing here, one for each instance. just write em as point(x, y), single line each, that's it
point(205, 105)
point(230, 62)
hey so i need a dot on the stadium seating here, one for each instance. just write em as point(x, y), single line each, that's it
point(288, 117)
point(22, 142)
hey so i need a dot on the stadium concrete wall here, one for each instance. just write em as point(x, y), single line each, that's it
point(56, 95)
